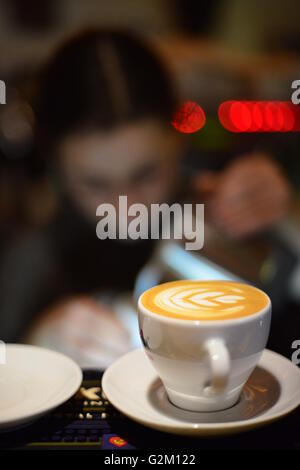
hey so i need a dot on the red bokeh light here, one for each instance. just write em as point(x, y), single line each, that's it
point(259, 116)
point(289, 116)
point(188, 118)
point(224, 116)
point(257, 113)
point(240, 116)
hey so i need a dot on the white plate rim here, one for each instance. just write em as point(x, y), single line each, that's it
point(203, 428)
point(39, 411)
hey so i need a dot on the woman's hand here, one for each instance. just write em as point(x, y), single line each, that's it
point(247, 197)
point(83, 329)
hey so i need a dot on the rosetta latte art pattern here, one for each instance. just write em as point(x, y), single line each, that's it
point(204, 300)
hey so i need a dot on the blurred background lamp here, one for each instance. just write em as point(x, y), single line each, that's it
point(259, 116)
point(188, 118)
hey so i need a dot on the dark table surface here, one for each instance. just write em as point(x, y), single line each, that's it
point(82, 424)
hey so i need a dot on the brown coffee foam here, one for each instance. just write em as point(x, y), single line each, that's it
point(204, 300)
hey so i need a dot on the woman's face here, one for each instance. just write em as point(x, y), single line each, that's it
point(137, 160)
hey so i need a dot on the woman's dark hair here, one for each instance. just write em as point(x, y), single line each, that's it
point(99, 80)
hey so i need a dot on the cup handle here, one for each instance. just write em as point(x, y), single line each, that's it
point(219, 361)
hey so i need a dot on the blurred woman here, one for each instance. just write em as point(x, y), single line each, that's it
point(103, 111)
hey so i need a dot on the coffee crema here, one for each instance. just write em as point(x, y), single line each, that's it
point(204, 300)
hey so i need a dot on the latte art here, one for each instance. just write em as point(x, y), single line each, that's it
point(204, 300)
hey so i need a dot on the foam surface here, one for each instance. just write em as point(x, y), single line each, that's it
point(204, 300)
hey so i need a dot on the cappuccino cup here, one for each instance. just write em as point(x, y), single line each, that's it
point(204, 338)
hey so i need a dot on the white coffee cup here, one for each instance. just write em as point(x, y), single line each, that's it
point(204, 364)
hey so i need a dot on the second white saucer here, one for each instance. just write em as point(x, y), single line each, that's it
point(32, 382)
point(132, 386)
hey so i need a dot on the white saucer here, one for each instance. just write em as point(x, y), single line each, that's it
point(34, 381)
point(132, 386)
